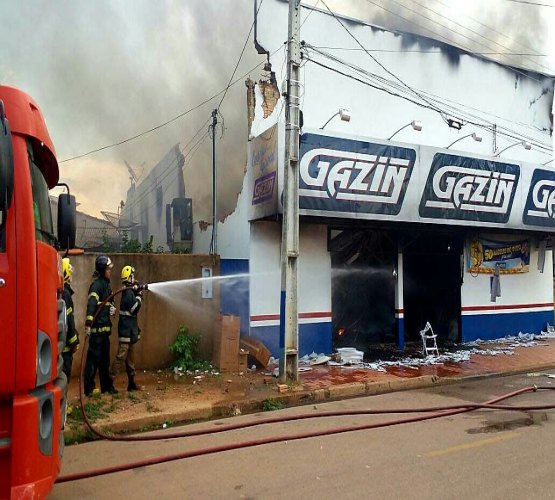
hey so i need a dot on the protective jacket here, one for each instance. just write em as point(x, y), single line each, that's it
point(99, 291)
point(128, 328)
point(72, 339)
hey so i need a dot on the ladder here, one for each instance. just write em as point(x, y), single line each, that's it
point(429, 344)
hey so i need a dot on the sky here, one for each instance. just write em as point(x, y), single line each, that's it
point(105, 71)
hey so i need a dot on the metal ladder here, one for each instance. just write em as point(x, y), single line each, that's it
point(429, 344)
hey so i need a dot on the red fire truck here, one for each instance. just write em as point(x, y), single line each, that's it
point(32, 315)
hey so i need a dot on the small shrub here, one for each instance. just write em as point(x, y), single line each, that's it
point(271, 405)
point(184, 348)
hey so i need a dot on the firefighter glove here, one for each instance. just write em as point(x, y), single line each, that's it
point(112, 310)
point(87, 331)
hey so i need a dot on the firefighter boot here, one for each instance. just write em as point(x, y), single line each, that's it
point(131, 385)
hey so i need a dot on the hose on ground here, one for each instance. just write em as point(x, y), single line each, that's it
point(432, 413)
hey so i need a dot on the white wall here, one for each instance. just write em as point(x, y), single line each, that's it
point(314, 269)
point(472, 89)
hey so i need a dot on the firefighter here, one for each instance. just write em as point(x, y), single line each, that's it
point(72, 339)
point(98, 354)
point(128, 329)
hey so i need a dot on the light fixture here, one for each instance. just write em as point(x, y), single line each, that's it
point(415, 124)
point(474, 135)
point(344, 114)
point(524, 144)
point(454, 123)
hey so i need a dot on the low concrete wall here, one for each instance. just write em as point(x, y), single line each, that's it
point(164, 309)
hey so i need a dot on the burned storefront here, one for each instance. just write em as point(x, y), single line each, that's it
point(398, 228)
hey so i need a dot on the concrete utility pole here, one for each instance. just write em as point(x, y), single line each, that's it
point(214, 243)
point(289, 325)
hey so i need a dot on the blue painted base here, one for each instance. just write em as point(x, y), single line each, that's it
point(401, 333)
point(494, 326)
point(312, 337)
point(234, 293)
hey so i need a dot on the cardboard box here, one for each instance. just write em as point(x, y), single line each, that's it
point(226, 344)
point(257, 350)
point(243, 360)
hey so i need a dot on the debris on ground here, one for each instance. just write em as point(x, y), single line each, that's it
point(350, 357)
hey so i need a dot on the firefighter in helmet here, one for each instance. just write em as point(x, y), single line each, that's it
point(72, 339)
point(128, 329)
point(99, 329)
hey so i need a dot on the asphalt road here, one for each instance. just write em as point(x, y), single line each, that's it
point(483, 454)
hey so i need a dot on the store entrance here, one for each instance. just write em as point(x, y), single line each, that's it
point(432, 285)
point(363, 288)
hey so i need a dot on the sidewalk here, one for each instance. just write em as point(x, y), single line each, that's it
point(167, 399)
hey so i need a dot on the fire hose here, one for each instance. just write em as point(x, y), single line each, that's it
point(429, 413)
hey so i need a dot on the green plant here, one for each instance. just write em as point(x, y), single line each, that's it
point(271, 405)
point(94, 410)
point(184, 348)
point(129, 245)
point(147, 246)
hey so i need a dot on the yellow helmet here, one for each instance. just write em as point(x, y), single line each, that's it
point(128, 274)
point(67, 270)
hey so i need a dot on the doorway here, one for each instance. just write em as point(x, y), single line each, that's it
point(363, 287)
point(432, 278)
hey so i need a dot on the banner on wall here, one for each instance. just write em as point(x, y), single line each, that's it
point(511, 257)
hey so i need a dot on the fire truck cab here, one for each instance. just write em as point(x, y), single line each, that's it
point(32, 315)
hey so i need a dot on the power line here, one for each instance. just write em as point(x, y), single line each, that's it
point(464, 27)
point(371, 56)
point(166, 122)
point(489, 27)
point(167, 170)
point(531, 3)
point(417, 51)
point(453, 109)
point(439, 35)
point(489, 125)
point(240, 55)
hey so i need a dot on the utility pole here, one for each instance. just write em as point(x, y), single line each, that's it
point(214, 243)
point(289, 325)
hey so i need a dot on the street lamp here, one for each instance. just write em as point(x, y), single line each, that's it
point(474, 135)
point(524, 144)
point(415, 124)
point(344, 114)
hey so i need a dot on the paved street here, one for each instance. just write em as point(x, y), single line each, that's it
point(485, 454)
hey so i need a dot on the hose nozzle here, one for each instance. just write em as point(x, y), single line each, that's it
point(139, 288)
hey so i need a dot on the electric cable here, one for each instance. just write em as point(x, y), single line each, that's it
point(501, 130)
point(145, 132)
point(442, 37)
point(374, 59)
point(497, 32)
point(472, 40)
point(169, 169)
point(241, 54)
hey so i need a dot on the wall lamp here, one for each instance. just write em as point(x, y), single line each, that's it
point(415, 124)
point(344, 114)
point(474, 135)
point(524, 144)
point(454, 123)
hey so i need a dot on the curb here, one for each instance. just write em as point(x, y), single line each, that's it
point(296, 398)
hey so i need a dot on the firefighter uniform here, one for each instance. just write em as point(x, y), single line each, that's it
point(98, 354)
point(128, 329)
point(72, 339)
